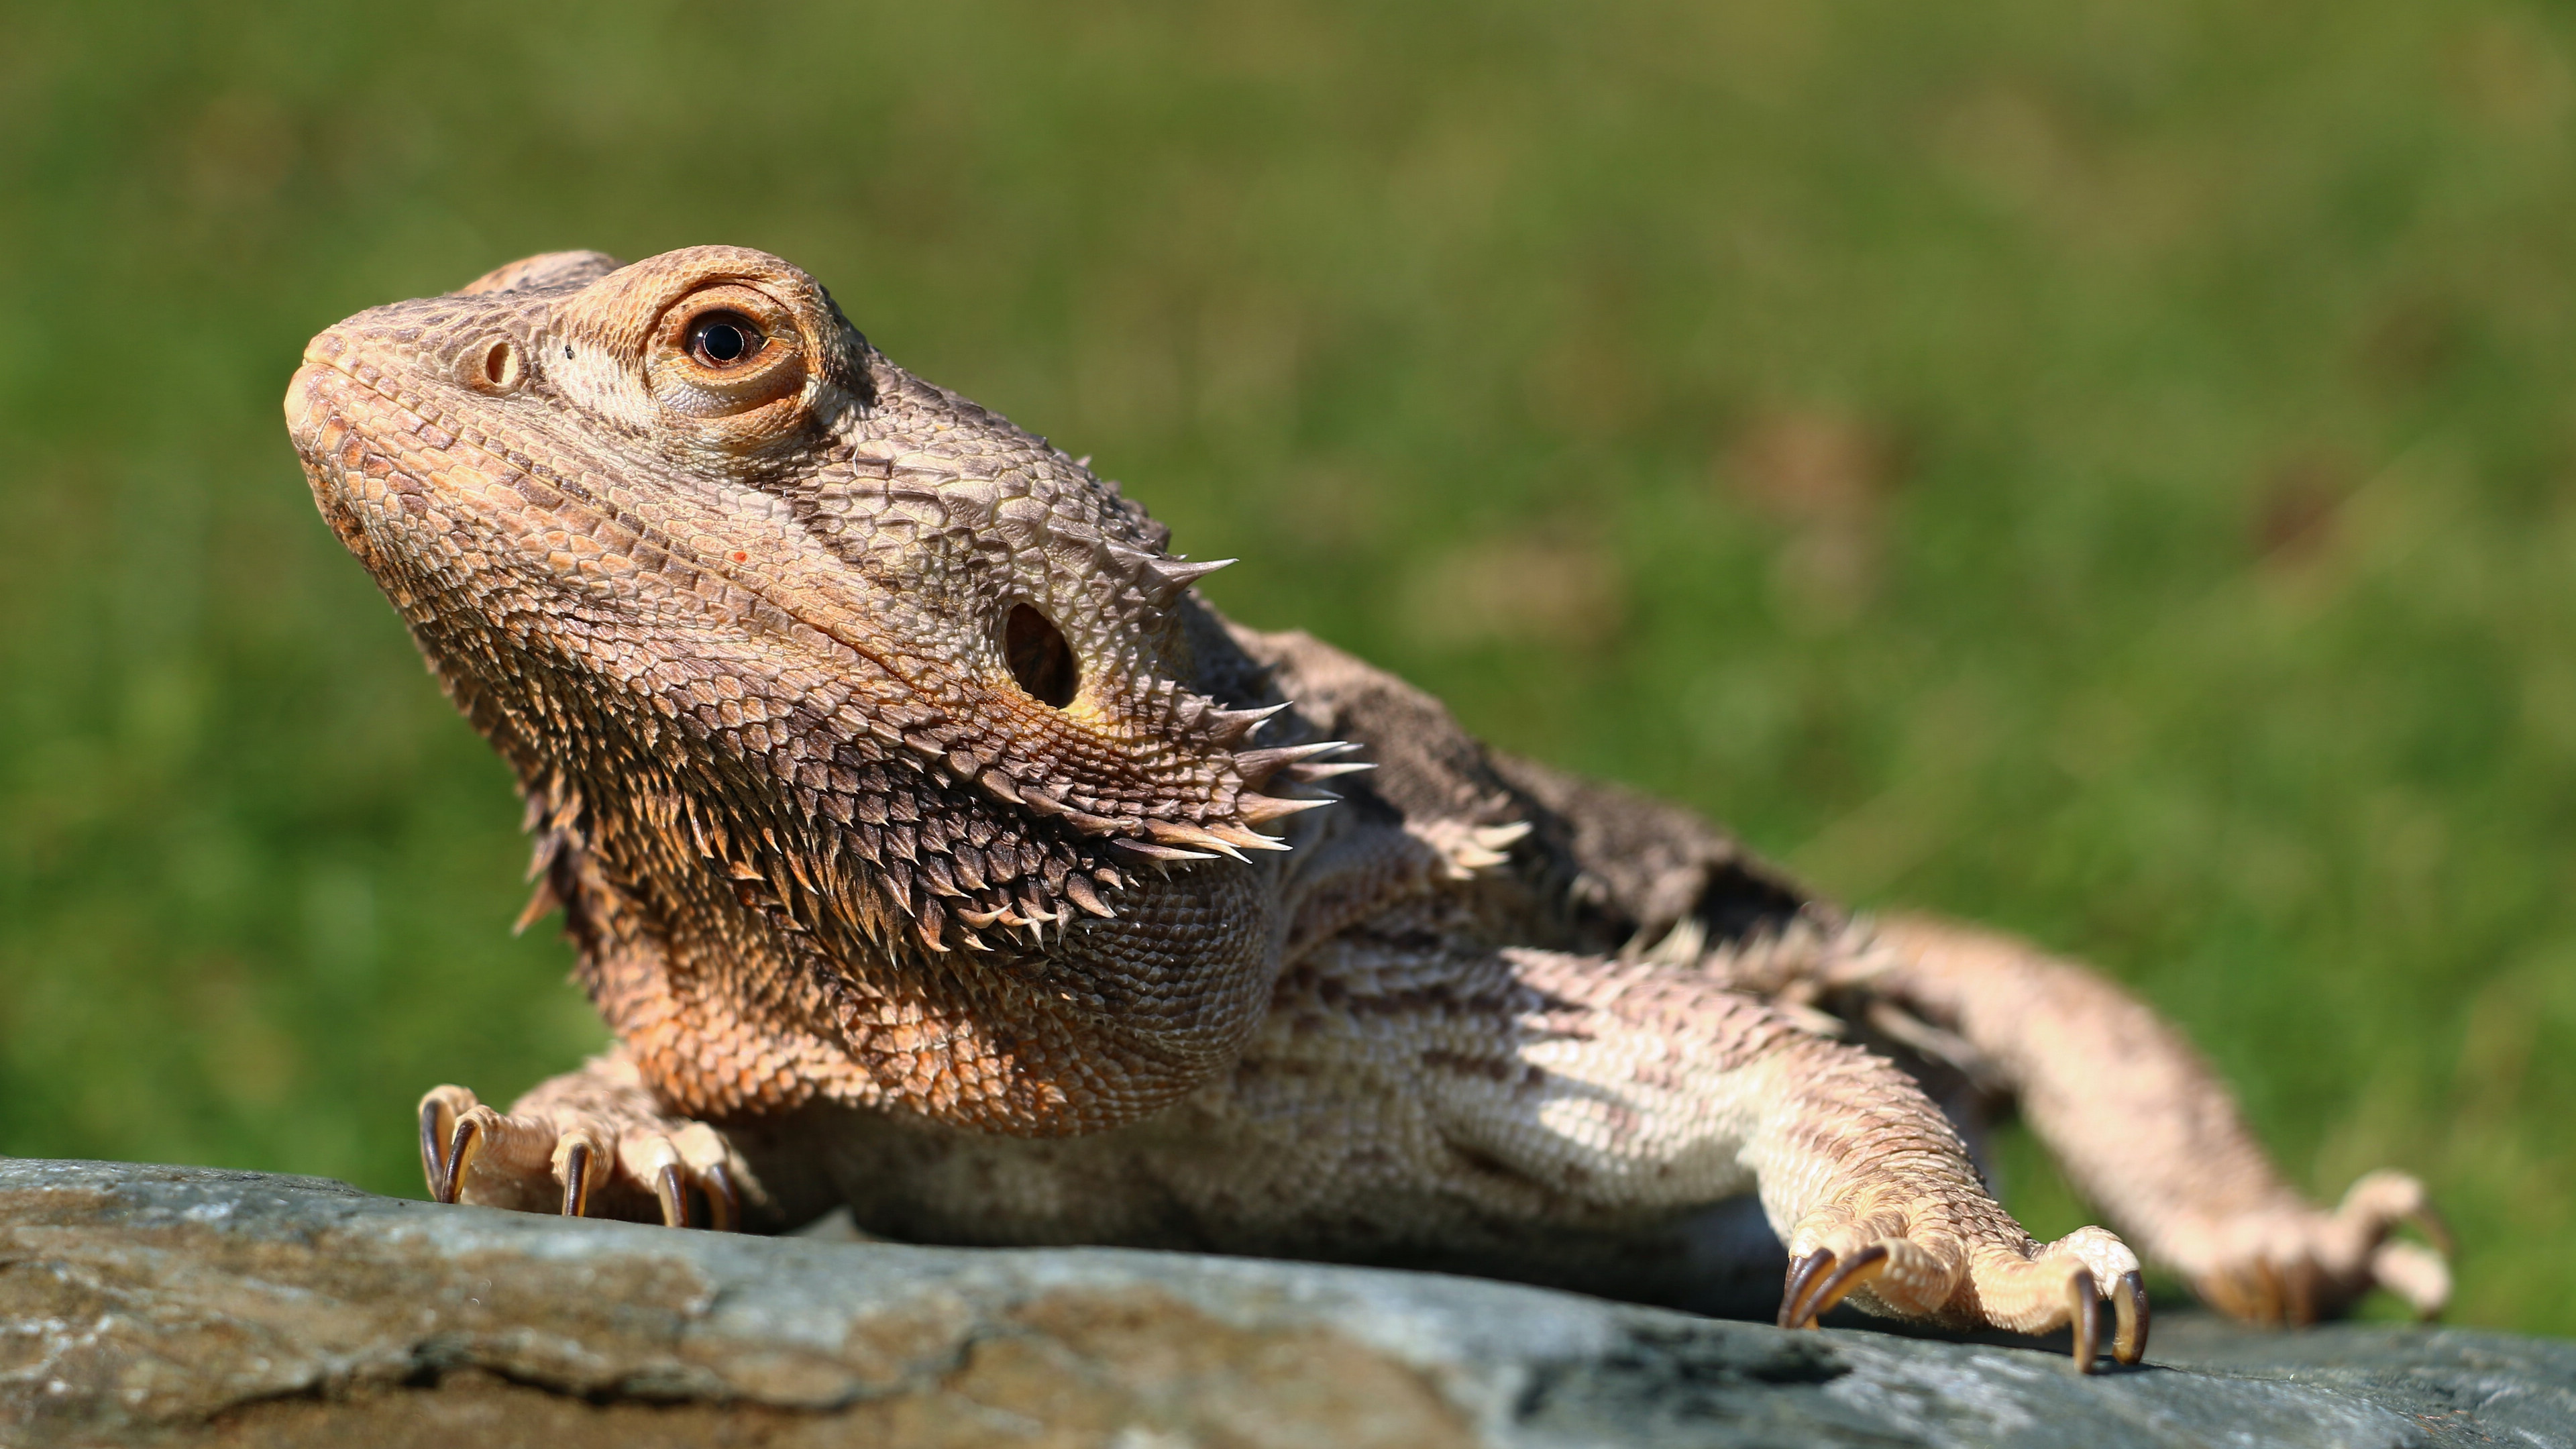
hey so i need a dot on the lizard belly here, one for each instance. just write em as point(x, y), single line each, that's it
point(1281, 1160)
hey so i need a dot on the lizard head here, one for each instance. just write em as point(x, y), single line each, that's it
point(761, 619)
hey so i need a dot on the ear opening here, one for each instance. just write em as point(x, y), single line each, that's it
point(1039, 657)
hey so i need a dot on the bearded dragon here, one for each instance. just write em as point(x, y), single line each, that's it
point(933, 847)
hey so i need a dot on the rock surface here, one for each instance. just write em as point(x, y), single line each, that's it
point(161, 1305)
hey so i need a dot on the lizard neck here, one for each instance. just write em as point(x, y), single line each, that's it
point(745, 945)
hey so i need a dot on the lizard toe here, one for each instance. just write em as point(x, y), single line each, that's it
point(1896, 1268)
point(473, 1154)
point(439, 1108)
point(682, 1169)
point(2069, 1283)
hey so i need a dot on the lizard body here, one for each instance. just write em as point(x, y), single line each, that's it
point(932, 847)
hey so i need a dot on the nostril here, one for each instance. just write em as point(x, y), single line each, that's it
point(1039, 658)
point(498, 369)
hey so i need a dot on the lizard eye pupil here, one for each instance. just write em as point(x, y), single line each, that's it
point(723, 339)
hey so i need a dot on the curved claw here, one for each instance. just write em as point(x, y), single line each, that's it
point(437, 1120)
point(1814, 1292)
point(2268, 1293)
point(576, 1180)
point(1801, 1273)
point(724, 1202)
point(1858, 1269)
point(462, 1145)
point(2435, 1230)
point(2084, 1312)
point(2129, 1311)
point(672, 1190)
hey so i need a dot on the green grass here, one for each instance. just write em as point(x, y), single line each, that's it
point(2103, 468)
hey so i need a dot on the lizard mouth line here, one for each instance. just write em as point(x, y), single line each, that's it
point(501, 468)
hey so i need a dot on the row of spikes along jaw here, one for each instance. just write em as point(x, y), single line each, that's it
point(1153, 773)
point(947, 891)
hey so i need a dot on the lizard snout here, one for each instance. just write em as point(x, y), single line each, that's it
point(302, 412)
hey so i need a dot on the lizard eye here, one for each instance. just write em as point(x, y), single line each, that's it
point(725, 339)
point(727, 351)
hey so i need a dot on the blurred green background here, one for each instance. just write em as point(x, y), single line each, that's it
point(2104, 467)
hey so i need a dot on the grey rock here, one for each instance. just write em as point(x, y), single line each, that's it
point(164, 1305)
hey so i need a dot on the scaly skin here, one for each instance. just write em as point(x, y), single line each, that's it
point(933, 848)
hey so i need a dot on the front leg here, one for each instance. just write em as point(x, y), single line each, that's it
point(1639, 1086)
point(2146, 1130)
point(1873, 1192)
point(591, 1143)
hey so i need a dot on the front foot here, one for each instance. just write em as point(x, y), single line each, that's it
point(1932, 1271)
point(582, 1147)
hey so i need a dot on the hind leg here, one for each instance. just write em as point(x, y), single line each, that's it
point(2144, 1128)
